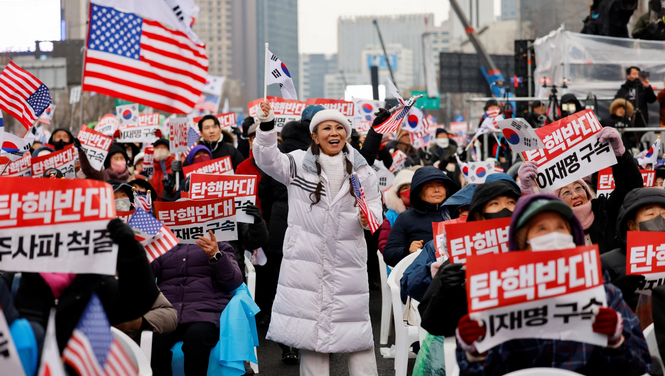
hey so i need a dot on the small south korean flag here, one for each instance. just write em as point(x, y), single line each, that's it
point(520, 135)
point(127, 114)
point(278, 74)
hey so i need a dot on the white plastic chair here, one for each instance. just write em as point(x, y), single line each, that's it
point(650, 336)
point(449, 346)
point(405, 334)
point(250, 275)
point(133, 351)
point(543, 372)
point(386, 301)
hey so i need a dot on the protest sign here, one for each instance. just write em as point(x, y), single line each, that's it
point(221, 166)
point(549, 295)
point(19, 167)
point(520, 135)
point(178, 135)
point(465, 240)
point(124, 215)
point(141, 131)
point(572, 151)
point(285, 110)
point(384, 177)
point(398, 161)
point(645, 255)
point(242, 188)
point(107, 125)
point(63, 160)
point(606, 181)
point(346, 108)
point(56, 226)
point(193, 218)
point(440, 239)
point(95, 145)
point(227, 120)
point(148, 162)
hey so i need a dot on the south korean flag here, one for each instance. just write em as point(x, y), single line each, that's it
point(127, 114)
point(277, 73)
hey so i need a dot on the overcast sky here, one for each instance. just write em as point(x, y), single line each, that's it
point(24, 21)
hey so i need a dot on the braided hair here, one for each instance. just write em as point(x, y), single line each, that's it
point(316, 151)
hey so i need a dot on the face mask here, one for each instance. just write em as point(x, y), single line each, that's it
point(59, 145)
point(129, 154)
point(442, 142)
point(406, 197)
point(119, 167)
point(203, 158)
point(161, 154)
point(552, 242)
point(504, 213)
point(654, 224)
point(122, 204)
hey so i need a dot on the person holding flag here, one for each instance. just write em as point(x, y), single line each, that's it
point(324, 267)
point(597, 215)
point(115, 164)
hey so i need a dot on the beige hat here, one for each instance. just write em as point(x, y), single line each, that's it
point(334, 115)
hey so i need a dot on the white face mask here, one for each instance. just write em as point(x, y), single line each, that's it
point(442, 142)
point(161, 154)
point(122, 204)
point(552, 242)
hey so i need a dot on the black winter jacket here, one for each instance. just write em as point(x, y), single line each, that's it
point(416, 223)
point(635, 90)
point(221, 149)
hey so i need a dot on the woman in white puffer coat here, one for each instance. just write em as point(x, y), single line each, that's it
point(322, 301)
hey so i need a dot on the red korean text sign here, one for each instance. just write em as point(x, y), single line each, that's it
point(546, 294)
point(285, 110)
point(242, 188)
point(96, 146)
point(346, 108)
point(124, 215)
point(439, 232)
point(606, 181)
point(216, 166)
point(227, 120)
point(572, 151)
point(64, 160)
point(399, 158)
point(57, 226)
point(465, 240)
point(178, 135)
point(19, 167)
point(148, 162)
point(645, 255)
point(190, 219)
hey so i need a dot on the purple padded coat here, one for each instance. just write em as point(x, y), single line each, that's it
point(198, 288)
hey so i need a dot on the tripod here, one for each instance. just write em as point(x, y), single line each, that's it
point(553, 100)
point(636, 113)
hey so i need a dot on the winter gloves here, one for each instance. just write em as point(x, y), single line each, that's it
point(468, 331)
point(527, 173)
point(254, 211)
point(610, 323)
point(612, 136)
point(452, 275)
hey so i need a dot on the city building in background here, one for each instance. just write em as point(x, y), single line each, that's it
point(478, 12)
point(313, 68)
point(74, 17)
point(401, 62)
point(442, 39)
point(508, 10)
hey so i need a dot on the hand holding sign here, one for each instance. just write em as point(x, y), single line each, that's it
point(610, 323)
point(469, 331)
point(611, 135)
point(209, 246)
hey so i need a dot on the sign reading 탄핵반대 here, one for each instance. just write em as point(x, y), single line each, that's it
point(56, 226)
point(190, 219)
point(526, 294)
point(242, 188)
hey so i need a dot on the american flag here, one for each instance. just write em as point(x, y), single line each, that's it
point(156, 238)
point(22, 95)
point(395, 120)
point(192, 140)
point(360, 197)
point(143, 201)
point(142, 61)
point(92, 350)
point(208, 102)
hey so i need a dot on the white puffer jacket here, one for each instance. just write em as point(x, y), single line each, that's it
point(322, 301)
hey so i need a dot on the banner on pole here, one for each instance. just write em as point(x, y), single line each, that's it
point(222, 166)
point(645, 255)
point(190, 219)
point(95, 145)
point(524, 294)
point(242, 188)
point(107, 125)
point(56, 226)
point(63, 160)
point(572, 151)
point(143, 130)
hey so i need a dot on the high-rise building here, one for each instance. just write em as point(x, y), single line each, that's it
point(313, 68)
point(508, 10)
point(213, 27)
point(401, 63)
point(357, 33)
point(74, 18)
point(442, 39)
point(542, 16)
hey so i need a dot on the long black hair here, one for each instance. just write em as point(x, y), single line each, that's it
point(316, 151)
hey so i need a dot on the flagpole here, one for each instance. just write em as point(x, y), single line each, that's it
point(7, 165)
point(83, 51)
point(265, 75)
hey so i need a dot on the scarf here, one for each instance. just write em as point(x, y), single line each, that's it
point(334, 169)
point(584, 214)
point(58, 282)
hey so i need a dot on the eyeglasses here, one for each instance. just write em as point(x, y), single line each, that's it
point(579, 190)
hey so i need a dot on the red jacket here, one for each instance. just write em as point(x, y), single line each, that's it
point(158, 176)
point(248, 167)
